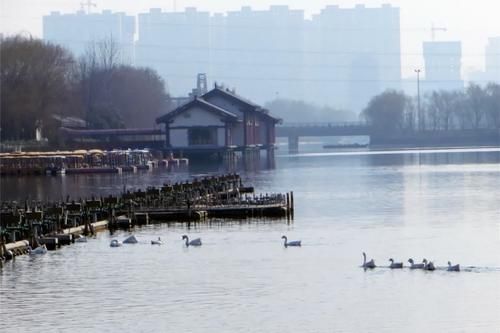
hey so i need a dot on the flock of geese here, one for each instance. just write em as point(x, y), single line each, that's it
point(425, 265)
point(193, 242)
point(133, 240)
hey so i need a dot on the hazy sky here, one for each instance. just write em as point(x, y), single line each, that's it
point(471, 21)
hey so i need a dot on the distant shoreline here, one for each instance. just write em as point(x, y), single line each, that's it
point(429, 147)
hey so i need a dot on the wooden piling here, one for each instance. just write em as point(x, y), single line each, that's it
point(51, 243)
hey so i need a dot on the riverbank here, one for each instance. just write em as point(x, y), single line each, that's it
point(460, 138)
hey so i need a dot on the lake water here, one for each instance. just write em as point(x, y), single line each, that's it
point(442, 205)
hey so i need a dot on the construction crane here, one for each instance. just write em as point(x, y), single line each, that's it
point(89, 4)
point(434, 29)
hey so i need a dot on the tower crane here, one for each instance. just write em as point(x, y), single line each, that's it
point(434, 29)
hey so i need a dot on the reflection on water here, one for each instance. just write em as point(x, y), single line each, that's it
point(439, 206)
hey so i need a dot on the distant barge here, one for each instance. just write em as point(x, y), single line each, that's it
point(350, 145)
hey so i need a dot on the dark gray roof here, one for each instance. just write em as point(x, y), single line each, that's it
point(226, 93)
point(219, 91)
point(197, 102)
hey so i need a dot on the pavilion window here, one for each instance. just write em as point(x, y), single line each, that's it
point(202, 136)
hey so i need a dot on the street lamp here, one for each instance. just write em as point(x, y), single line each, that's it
point(418, 98)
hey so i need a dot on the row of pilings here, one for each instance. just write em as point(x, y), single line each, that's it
point(31, 223)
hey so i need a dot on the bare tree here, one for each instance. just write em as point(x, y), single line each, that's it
point(386, 111)
point(35, 81)
point(476, 99)
point(116, 95)
point(108, 53)
point(493, 104)
point(96, 69)
point(461, 114)
point(432, 109)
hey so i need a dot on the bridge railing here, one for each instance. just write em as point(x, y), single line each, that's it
point(324, 124)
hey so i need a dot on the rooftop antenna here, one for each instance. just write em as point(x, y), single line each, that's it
point(434, 29)
point(201, 85)
point(89, 4)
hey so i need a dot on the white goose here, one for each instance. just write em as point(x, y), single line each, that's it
point(157, 242)
point(394, 265)
point(453, 268)
point(194, 242)
point(291, 243)
point(131, 240)
point(415, 266)
point(42, 249)
point(429, 265)
point(81, 239)
point(115, 243)
point(369, 264)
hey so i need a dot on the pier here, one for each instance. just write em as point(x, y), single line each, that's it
point(58, 223)
point(85, 162)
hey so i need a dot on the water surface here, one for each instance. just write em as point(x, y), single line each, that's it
point(442, 205)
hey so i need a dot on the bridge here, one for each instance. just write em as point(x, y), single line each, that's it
point(293, 131)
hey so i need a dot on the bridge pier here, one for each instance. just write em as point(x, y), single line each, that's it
point(293, 144)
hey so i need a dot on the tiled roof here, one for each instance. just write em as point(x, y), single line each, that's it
point(197, 102)
point(226, 93)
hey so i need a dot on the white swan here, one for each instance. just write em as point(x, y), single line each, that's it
point(453, 268)
point(194, 242)
point(291, 243)
point(156, 242)
point(130, 240)
point(395, 264)
point(369, 264)
point(115, 243)
point(81, 239)
point(415, 266)
point(42, 249)
point(429, 265)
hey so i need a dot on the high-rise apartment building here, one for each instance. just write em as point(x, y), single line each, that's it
point(264, 53)
point(352, 55)
point(492, 60)
point(176, 44)
point(76, 31)
point(340, 57)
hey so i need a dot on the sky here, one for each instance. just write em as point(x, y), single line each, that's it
point(471, 21)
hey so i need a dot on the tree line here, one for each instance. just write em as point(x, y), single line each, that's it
point(293, 111)
point(43, 82)
point(475, 108)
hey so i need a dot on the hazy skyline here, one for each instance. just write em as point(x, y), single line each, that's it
point(472, 22)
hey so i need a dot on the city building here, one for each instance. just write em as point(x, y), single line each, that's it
point(264, 54)
point(76, 31)
point(443, 66)
point(341, 57)
point(175, 44)
point(492, 60)
point(353, 54)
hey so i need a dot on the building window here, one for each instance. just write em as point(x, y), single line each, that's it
point(202, 136)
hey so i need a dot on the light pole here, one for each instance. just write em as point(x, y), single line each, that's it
point(418, 98)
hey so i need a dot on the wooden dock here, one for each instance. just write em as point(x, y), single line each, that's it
point(56, 223)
